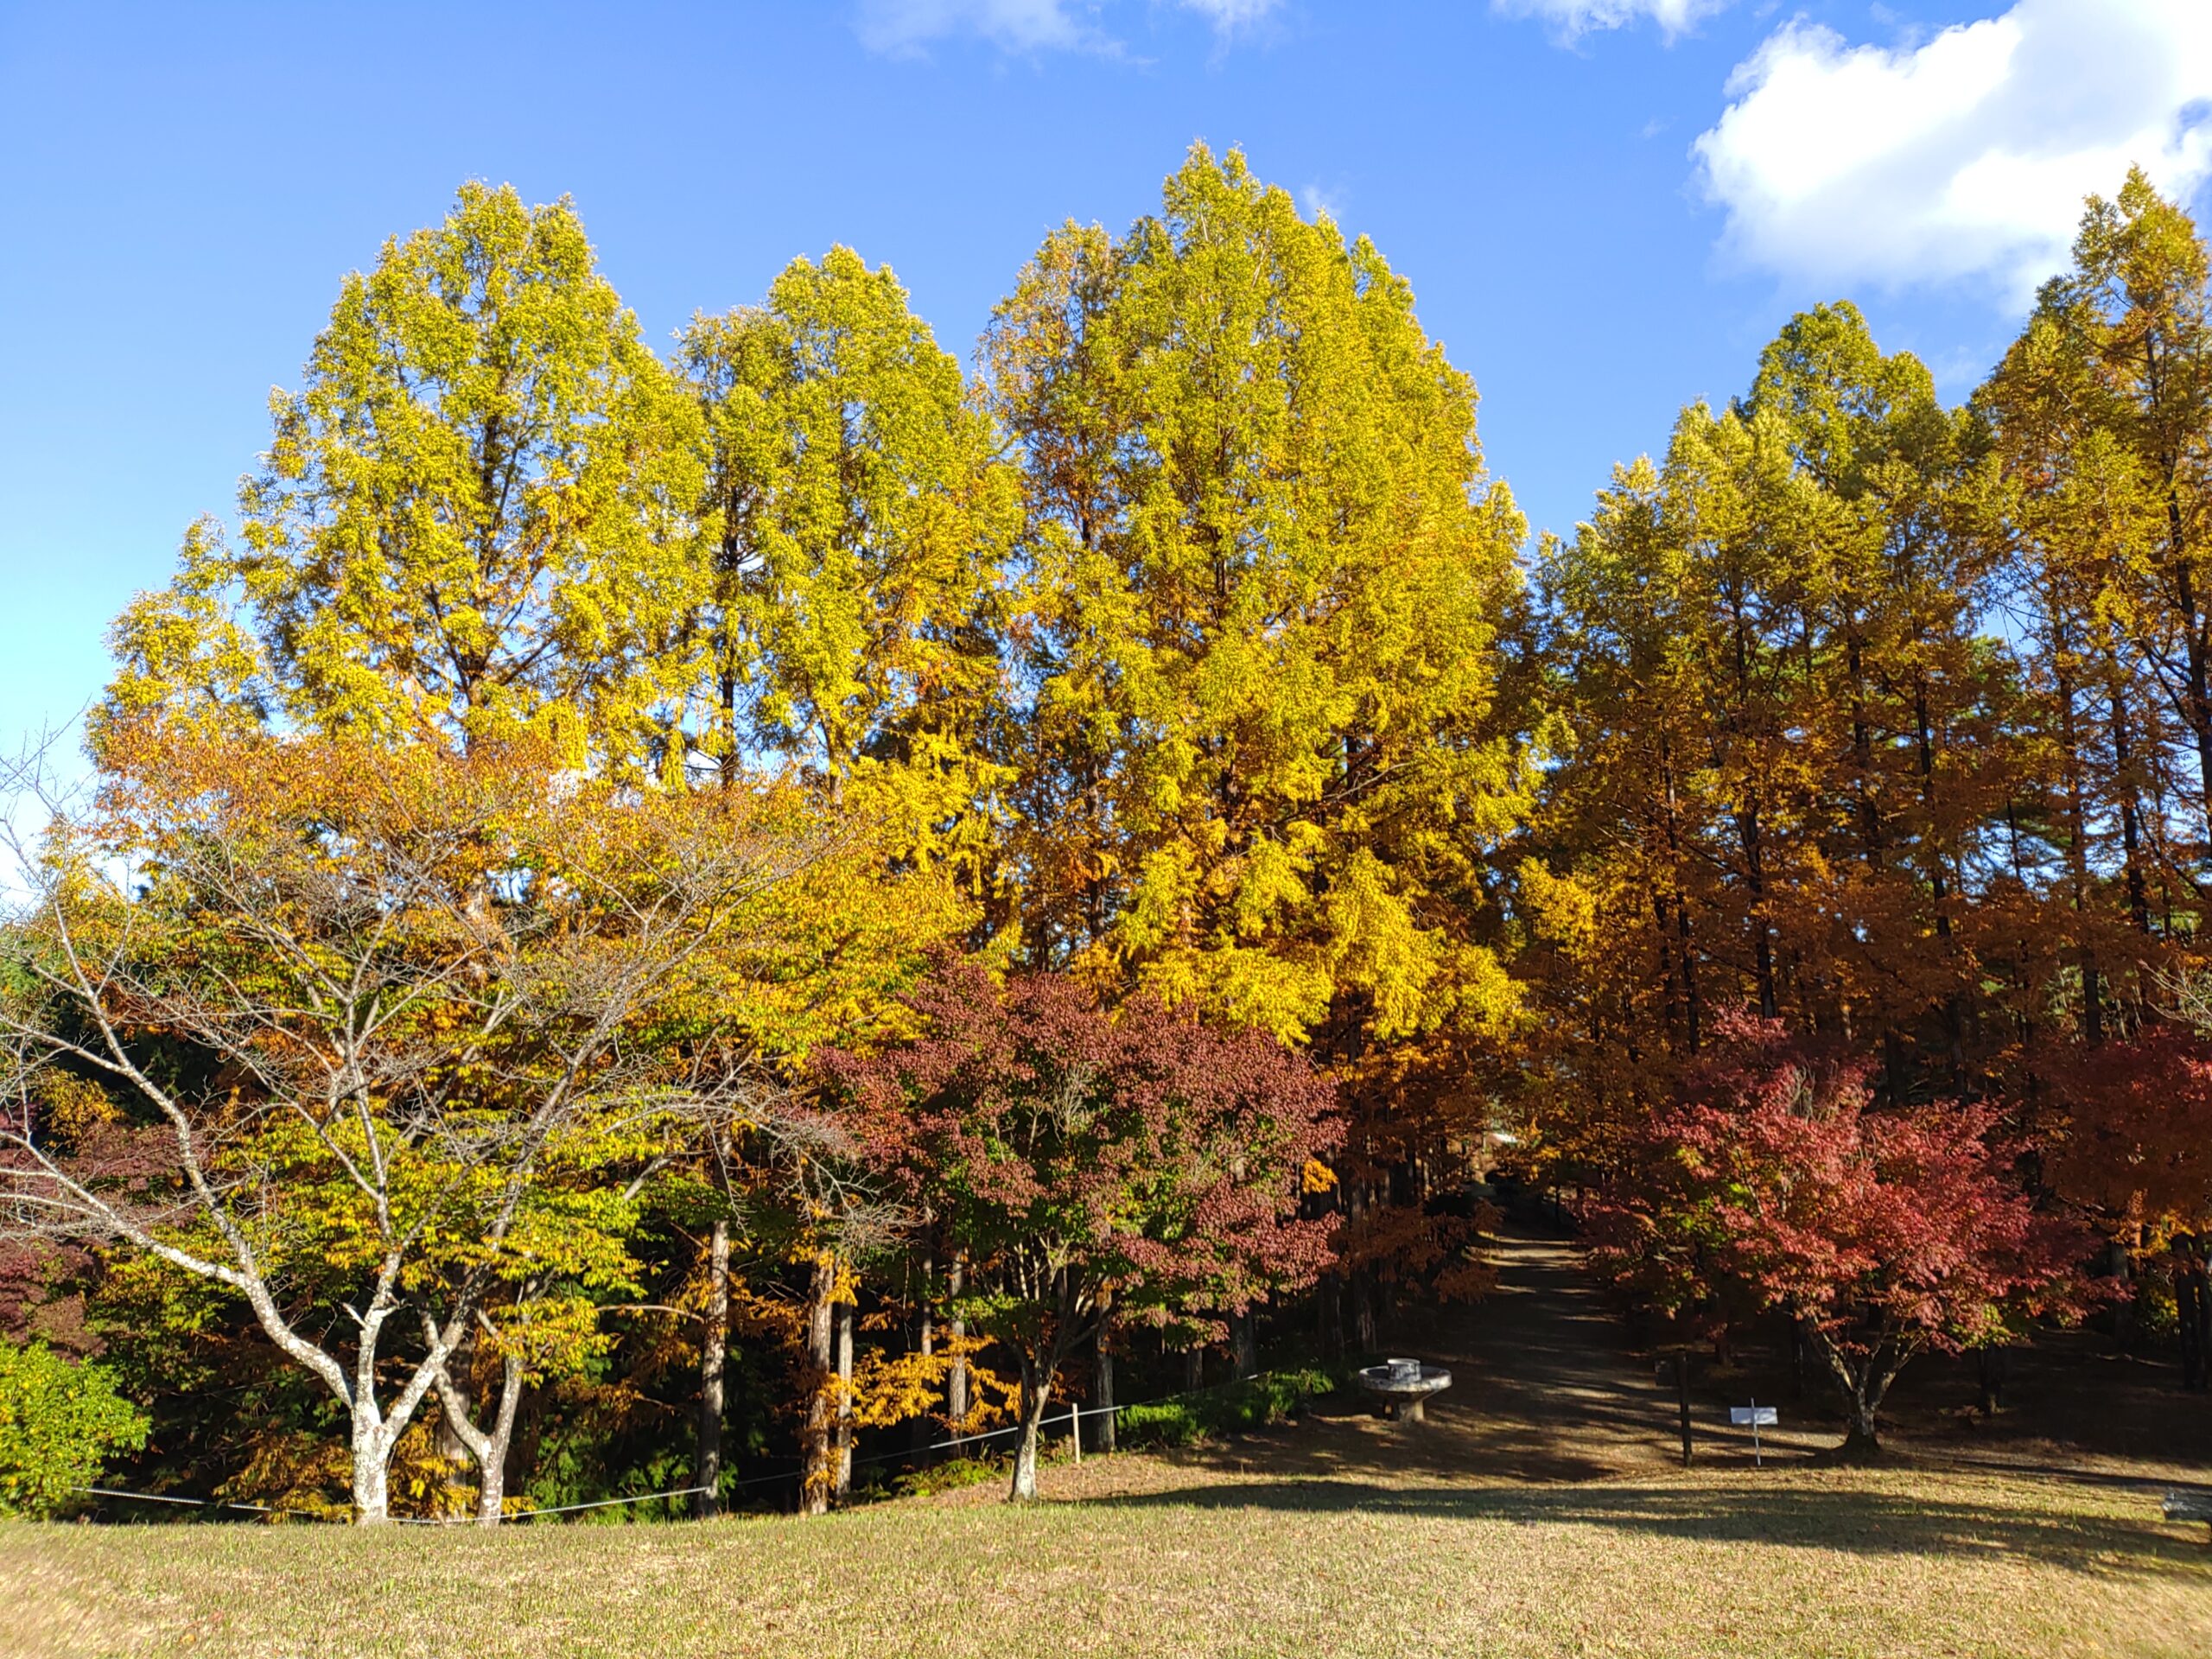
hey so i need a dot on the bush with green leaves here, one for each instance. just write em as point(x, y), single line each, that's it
point(59, 1420)
point(950, 1475)
point(1255, 1402)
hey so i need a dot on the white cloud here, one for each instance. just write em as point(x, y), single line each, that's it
point(1571, 19)
point(1229, 15)
point(1964, 156)
point(1016, 25)
point(904, 26)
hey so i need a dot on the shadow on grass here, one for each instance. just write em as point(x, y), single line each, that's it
point(1853, 1521)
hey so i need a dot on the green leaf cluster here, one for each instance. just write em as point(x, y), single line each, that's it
point(59, 1420)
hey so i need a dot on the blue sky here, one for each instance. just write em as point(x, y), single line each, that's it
point(1605, 207)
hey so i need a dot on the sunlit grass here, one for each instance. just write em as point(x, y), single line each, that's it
point(1778, 1565)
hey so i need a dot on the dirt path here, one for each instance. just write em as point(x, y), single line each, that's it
point(1546, 1390)
point(1544, 1385)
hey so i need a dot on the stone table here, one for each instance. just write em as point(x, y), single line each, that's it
point(1401, 1386)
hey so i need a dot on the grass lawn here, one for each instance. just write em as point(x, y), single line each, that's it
point(1175, 1562)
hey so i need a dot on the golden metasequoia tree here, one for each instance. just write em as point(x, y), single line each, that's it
point(1259, 753)
point(477, 517)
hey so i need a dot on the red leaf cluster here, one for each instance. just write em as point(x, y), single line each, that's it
point(1069, 1153)
point(2137, 1140)
point(1774, 1183)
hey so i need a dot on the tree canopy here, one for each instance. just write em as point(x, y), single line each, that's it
point(648, 912)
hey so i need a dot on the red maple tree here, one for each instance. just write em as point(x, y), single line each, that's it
point(1077, 1159)
point(1775, 1184)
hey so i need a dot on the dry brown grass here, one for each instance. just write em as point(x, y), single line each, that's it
point(1162, 1558)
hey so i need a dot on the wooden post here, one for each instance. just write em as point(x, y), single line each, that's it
point(1075, 1428)
point(1683, 1399)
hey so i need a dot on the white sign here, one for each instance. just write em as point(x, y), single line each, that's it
point(1754, 1417)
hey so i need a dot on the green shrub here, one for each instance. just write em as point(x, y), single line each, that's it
point(1163, 1422)
point(1256, 1402)
point(950, 1476)
point(58, 1419)
point(1269, 1398)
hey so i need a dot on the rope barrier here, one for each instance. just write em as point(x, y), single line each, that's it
point(1073, 1414)
point(558, 1508)
point(1056, 1417)
point(200, 1502)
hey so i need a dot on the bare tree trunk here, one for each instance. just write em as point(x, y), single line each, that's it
point(844, 1322)
point(2120, 1262)
point(2193, 1312)
point(1036, 1394)
point(1864, 1386)
point(452, 1448)
point(1992, 1369)
point(491, 1461)
point(1862, 1440)
point(1244, 1343)
point(371, 1484)
point(374, 1430)
point(1102, 1391)
point(488, 1446)
point(714, 1355)
point(956, 1383)
point(820, 1475)
point(925, 1345)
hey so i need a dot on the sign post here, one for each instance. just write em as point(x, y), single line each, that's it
point(1754, 1416)
point(1681, 1354)
point(1682, 1400)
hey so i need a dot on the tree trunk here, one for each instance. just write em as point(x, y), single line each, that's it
point(820, 1475)
point(452, 1447)
point(488, 1446)
point(1036, 1394)
point(1992, 1369)
point(1863, 1385)
point(2077, 855)
point(1244, 1343)
point(1751, 836)
point(955, 1382)
point(845, 1311)
point(2122, 1265)
point(2193, 1312)
point(1862, 1442)
point(1194, 1368)
point(491, 1456)
point(1693, 1012)
point(1102, 1392)
point(922, 1429)
point(714, 1354)
point(372, 1472)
